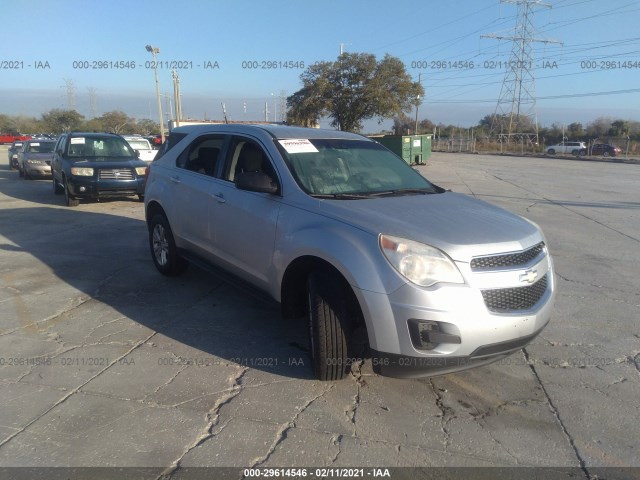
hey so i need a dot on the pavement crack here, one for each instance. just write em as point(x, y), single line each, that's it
point(561, 205)
point(446, 416)
point(75, 390)
point(336, 441)
point(212, 419)
point(352, 411)
point(281, 434)
point(581, 462)
point(78, 302)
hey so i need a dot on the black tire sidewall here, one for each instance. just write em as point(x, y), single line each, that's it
point(329, 326)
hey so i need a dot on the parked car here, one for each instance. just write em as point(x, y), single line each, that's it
point(142, 146)
point(95, 165)
point(345, 234)
point(605, 150)
point(574, 148)
point(13, 153)
point(34, 158)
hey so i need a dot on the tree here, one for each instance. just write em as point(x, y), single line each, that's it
point(352, 89)
point(575, 131)
point(117, 122)
point(146, 126)
point(59, 121)
point(599, 127)
point(619, 128)
point(403, 123)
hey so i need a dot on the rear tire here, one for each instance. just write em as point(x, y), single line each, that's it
point(163, 247)
point(329, 326)
point(551, 151)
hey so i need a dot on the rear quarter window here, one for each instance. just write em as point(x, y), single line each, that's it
point(172, 140)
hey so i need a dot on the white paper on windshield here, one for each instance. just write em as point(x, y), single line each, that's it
point(298, 145)
point(77, 140)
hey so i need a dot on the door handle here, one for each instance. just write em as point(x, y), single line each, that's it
point(219, 197)
point(175, 179)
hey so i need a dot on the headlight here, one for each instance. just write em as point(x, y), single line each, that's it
point(140, 170)
point(82, 172)
point(419, 263)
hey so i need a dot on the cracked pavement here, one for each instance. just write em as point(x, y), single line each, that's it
point(104, 362)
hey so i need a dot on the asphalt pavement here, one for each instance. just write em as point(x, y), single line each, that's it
point(106, 363)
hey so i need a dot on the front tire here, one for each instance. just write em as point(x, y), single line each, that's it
point(329, 325)
point(163, 247)
point(57, 189)
point(551, 151)
point(68, 199)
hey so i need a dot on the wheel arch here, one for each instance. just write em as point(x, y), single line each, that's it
point(294, 284)
point(153, 208)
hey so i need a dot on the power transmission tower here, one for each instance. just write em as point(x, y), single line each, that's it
point(517, 100)
point(93, 108)
point(71, 93)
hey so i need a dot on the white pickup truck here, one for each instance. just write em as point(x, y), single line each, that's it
point(143, 146)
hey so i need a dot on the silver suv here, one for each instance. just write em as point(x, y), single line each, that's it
point(346, 235)
point(575, 148)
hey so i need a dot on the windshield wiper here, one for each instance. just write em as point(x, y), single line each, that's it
point(402, 191)
point(340, 196)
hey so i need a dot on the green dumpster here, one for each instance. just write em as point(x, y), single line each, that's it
point(413, 149)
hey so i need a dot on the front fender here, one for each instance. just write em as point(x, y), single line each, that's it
point(352, 251)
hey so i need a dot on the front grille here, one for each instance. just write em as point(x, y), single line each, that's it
point(516, 259)
point(502, 300)
point(116, 174)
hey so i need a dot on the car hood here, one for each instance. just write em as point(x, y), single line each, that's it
point(38, 156)
point(461, 226)
point(108, 162)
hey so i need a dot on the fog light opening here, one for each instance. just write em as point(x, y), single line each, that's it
point(428, 334)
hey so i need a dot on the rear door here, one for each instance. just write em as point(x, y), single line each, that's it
point(193, 183)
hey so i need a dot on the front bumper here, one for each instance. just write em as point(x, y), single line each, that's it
point(91, 187)
point(467, 333)
point(37, 170)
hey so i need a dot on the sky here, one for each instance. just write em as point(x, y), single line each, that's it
point(248, 54)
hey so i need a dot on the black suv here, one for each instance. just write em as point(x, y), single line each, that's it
point(94, 165)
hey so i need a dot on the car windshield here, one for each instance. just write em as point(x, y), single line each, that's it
point(113, 148)
point(41, 147)
point(350, 169)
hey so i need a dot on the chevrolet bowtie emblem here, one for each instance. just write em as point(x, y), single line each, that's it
point(529, 276)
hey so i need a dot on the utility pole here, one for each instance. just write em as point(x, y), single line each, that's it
point(154, 51)
point(517, 95)
point(415, 132)
point(283, 106)
point(176, 96)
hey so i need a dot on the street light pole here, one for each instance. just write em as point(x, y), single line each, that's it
point(154, 51)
